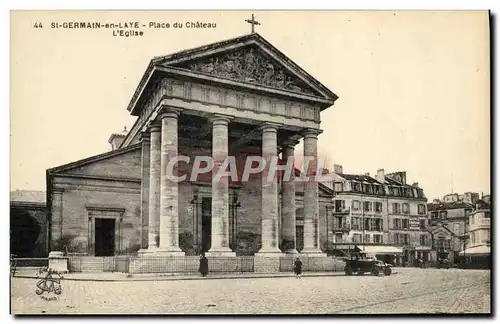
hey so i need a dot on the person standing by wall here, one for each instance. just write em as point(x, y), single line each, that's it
point(203, 265)
point(298, 268)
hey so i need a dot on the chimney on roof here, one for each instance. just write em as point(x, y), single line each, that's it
point(415, 184)
point(116, 139)
point(337, 168)
point(367, 174)
point(380, 175)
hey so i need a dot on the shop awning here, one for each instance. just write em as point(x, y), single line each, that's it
point(381, 249)
point(477, 250)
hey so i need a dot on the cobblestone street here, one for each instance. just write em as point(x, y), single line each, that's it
point(410, 290)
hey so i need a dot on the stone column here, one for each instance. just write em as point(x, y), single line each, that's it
point(56, 224)
point(311, 204)
point(169, 188)
point(154, 187)
point(145, 165)
point(220, 188)
point(57, 260)
point(269, 232)
point(288, 197)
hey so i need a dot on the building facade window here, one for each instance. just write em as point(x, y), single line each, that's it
point(356, 238)
point(423, 224)
point(356, 186)
point(406, 208)
point(355, 204)
point(406, 239)
point(355, 223)
point(378, 207)
point(396, 223)
point(377, 225)
point(367, 206)
point(396, 208)
point(338, 187)
point(338, 238)
point(473, 238)
point(423, 240)
point(377, 238)
point(367, 238)
point(434, 215)
point(421, 209)
point(443, 214)
point(339, 205)
point(406, 224)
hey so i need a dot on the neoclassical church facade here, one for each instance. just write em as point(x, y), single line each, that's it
point(240, 97)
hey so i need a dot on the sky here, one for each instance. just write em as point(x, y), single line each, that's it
point(413, 86)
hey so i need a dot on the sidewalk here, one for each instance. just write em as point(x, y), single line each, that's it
point(117, 276)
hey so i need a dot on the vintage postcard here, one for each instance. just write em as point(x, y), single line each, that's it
point(250, 162)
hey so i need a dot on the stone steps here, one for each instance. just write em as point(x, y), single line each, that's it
point(92, 264)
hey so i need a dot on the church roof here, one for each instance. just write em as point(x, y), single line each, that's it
point(93, 159)
point(283, 69)
point(28, 196)
point(449, 205)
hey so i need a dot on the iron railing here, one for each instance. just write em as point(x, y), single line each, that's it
point(312, 264)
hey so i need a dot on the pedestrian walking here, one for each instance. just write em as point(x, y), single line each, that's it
point(298, 268)
point(203, 265)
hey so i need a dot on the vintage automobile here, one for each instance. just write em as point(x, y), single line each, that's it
point(443, 263)
point(361, 263)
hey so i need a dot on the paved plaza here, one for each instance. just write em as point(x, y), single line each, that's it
point(410, 290)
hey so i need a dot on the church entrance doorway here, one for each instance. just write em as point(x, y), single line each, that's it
point(206, 224)
point(104, 236)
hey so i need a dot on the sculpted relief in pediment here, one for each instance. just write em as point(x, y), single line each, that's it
point(248, 65)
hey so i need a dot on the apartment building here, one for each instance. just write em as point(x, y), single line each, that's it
point(381, 214)
point(477, 249)
point(449, 226)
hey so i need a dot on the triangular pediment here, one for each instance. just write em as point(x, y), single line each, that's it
point(441, 231)
point(250, 64)
point(249, 59)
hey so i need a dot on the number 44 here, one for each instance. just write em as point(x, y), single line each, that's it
point(38, 25)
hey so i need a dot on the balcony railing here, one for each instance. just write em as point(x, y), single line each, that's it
point(341, 227)
point(369, 228)
point(341, 210)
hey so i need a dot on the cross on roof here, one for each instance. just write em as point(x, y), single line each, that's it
point(253, 22)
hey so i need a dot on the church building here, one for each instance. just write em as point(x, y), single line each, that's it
point(236, 98)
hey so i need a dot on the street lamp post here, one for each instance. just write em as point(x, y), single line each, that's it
point(327, 228)
point(194, 202)
point(234, 205)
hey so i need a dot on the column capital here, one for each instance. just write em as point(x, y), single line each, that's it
point(270, 127)
point(220, 119)
point(155, 126)
point(145, 137)
point(311, 132)
point(168, 112)
point(289, 144)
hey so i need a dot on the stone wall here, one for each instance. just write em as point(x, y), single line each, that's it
point(78, 203)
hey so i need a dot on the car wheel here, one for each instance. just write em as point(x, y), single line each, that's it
point(387, 271)
point(375, 271)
